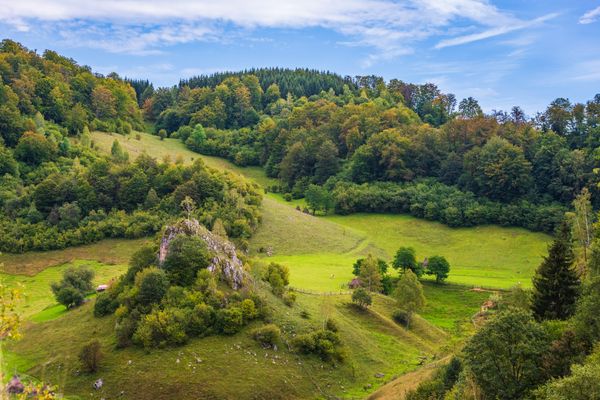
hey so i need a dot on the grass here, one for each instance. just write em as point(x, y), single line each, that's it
point(373, 344)
point(109, 251)
point(38, 302)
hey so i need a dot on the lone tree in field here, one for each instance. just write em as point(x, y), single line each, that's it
point(73, 287)
point(556, 285)
point(405, 259)
point(362, 298)
point(370, 275)
point(438, 266)
point(91, 355)
point(409, 294)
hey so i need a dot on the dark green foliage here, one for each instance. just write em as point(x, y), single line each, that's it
point(91, 355)
point(556, 285)
point(105, 304)
point(437, 387)
point(34, 149)
point(161, 328)
point(267, 335)
point(401, 317)
point(362, 298)
point(585, 321)
point(186, 256)
point(229, 320)
point(325, 343)
point(439, 267)
point(144, 257)
point(405, 259)
point(152, 284)
point(381, 264)
point(505, 355)
point(289, 298)
point(75, 284)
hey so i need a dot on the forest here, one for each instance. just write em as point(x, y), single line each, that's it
point(392, 146)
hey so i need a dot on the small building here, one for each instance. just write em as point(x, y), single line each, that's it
point(15, 386)
point(355, 283)
point(101, 288)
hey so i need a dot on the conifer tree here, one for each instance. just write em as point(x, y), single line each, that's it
point(556, 284)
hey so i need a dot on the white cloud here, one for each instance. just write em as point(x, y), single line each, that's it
point(590, 16)
point(390, 28)
point(496, 31)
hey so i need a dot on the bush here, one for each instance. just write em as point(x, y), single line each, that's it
point(267, 335)
point(304, 314)
point(324, 343)
point(161, 328)
point(362, 298)
point(401, 317)
point(287, 197)
point(105, 304)
point(289, 299)
point(278, 276)
point(230, 320)
point(151, 284)
point(91, 355)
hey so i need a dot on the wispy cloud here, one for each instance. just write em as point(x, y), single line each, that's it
point(590, 16)
point(390, 28)
point(496, 31)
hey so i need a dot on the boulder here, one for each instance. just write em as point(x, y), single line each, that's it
point(225, 262)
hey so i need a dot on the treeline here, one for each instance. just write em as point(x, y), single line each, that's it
point(298, 82)
point(515, 170)
point(63, 92)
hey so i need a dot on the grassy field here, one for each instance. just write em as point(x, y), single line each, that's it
point(373, 344)
point(38, 302)
point(320, 251)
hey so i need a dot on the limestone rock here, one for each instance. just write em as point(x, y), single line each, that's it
point(225, 262)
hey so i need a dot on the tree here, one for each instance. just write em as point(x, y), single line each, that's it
point(556, 285)
point(197, 138)
point(370, 274)
point(117, 152)
point(75, 284)
point(33, 149)
point(362, 298)
point(438, 266)
point(186, 256)
point(582, 221)
point(91, 355)
point(498, 170)
point(505, 355)
point(318, 198)
point(409, 294)
point(469, 108)
point(586, 323)
point(152, 284)
point(405, 259)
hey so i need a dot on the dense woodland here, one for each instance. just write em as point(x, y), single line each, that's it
point(57, 191)
point(390, 146)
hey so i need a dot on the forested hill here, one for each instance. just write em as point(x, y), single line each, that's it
point(380, 146)
point(57, 191)
point(298, 82)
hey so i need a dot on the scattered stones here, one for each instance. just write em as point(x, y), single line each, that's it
point(379, 375)
point(98, 384)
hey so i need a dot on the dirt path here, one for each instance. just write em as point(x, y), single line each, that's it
point(397, 389)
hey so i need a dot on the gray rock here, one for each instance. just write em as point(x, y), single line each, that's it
point(225, 262)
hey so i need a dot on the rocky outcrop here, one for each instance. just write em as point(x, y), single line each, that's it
point(225, 262)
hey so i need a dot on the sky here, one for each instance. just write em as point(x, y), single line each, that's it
point(502, 52)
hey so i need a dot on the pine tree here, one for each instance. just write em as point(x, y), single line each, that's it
point(556, 284)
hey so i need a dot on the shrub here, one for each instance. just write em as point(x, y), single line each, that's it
point(289, 299)
point(249, 311)
point(91, 355)
point(401, 317)
point(152, 284)
point(161, 328)
point(324, 343)
point(200, 319)
point(287, 197)
point(105, 304)
point(304, 314)
point(229, 320)
point(362, 298)
point(278, 276)
point(267, 335)
point(187, 255)
point(331, 325)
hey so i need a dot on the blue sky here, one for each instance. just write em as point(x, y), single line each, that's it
point(504, 53)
